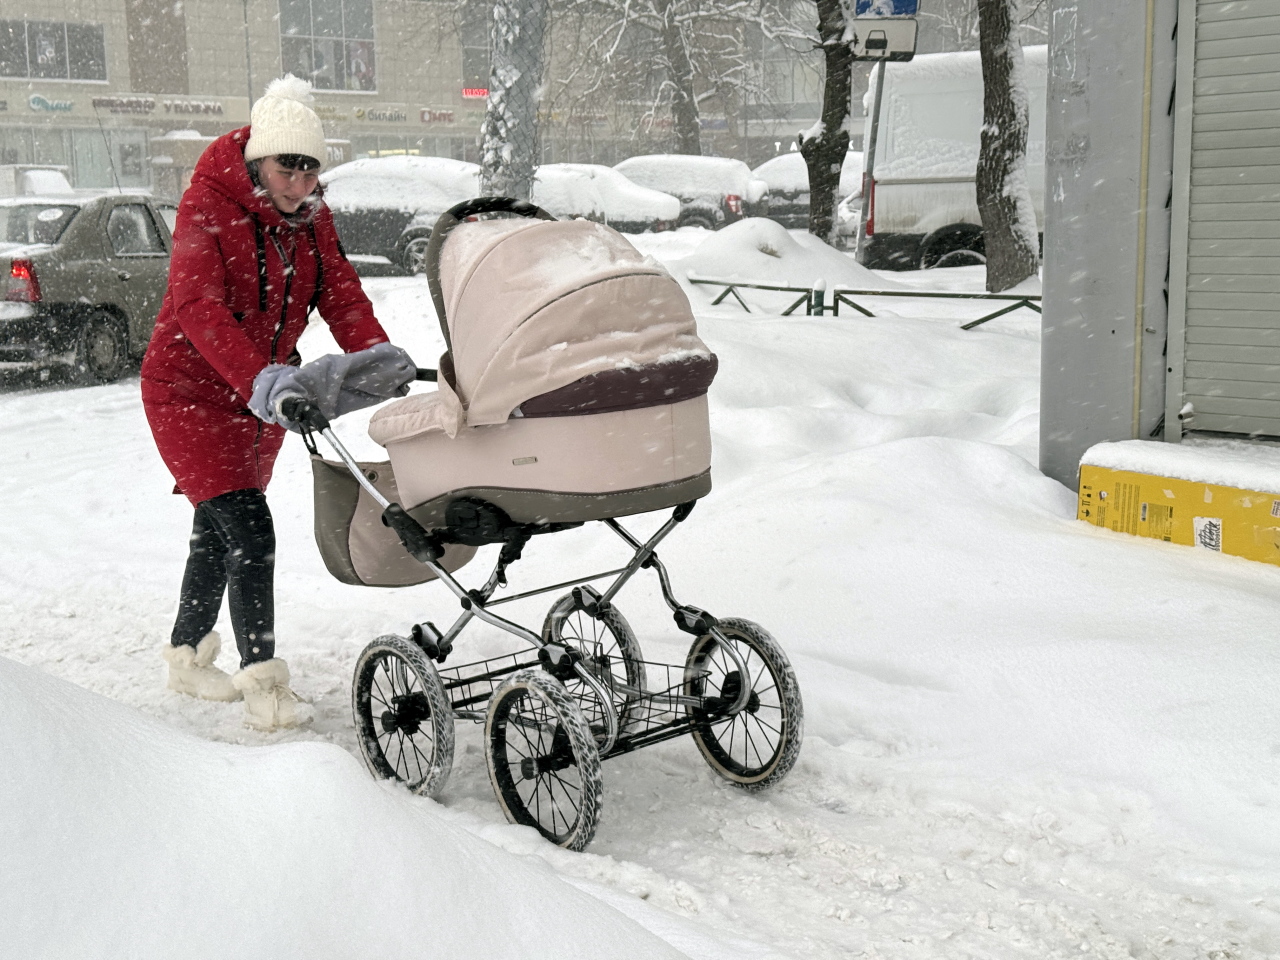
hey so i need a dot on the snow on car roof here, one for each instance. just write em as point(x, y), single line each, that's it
point(400, 183)
point(788, 173)
point(689, 177)
point(579, 189)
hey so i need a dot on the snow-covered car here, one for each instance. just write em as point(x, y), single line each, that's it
point(566, 190)
point(84, 279)
point(386, 206)
point(788, 178)
point(603, 194)
point(713, 191)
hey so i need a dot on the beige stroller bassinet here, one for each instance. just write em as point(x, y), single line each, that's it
point(573, 388)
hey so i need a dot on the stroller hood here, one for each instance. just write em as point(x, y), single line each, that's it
point(534, 306)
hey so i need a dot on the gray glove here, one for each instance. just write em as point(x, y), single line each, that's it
point(274, 384)
point(342, 382)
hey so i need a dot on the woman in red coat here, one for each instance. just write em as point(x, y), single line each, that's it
point(255, 252)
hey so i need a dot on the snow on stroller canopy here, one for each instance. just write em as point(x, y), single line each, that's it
point(535, 305)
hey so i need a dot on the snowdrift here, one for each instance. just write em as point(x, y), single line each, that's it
point(757, 250)
point(124, 838)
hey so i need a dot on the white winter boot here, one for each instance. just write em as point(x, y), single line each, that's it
point(269, 704)
point(191, 670)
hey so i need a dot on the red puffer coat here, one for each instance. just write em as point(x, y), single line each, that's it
point(242, 282)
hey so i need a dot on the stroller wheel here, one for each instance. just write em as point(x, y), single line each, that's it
point(757, 746)
point(404, 720)
point(609, 649)
point(543, 761)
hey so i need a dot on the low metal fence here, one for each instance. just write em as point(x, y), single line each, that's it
point(814, 299)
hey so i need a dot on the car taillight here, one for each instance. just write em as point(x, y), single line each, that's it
point(24, 285)
point(869, 198)
point(734, 202)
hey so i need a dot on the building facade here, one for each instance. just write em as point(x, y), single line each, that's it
point(128, 92)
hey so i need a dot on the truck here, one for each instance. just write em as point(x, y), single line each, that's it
point(922, 203)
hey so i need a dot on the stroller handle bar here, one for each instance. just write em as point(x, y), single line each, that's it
point(450, 219)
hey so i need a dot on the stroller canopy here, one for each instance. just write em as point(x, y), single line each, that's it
point(561, 317)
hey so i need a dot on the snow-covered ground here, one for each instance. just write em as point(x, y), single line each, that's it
point(1025, 737)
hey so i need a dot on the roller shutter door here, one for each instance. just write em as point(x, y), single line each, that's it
point(1232, 360)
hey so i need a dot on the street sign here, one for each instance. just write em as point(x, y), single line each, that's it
point(884, 38)
point(886, 8)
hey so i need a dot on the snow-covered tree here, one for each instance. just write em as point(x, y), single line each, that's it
point(1004, 195)
point(665, 58)
point(509, 137)
point(825, 144)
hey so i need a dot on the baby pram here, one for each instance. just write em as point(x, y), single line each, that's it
point(572, 390)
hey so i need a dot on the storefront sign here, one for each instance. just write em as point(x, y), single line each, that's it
point(327, 111)
point(430, 115)
point(40, 104)
point(475, 93)
point(211, 108)
point(382, 116)
point(125, 104)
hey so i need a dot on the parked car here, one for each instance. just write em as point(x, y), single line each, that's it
point(601, 193)
point(788, 178)
point(85, 277)
point(385, 206)
point(713, 191)
point(923, 203)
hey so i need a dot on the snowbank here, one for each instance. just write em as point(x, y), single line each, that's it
point(757, 250)
point(123, 838)
point(788, 173)
point(1227, 463)
point(400, 183)
point(693, 178)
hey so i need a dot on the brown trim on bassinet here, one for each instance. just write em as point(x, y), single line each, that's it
point(631, 388)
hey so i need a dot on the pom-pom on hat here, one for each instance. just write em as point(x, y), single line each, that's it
point(283, 122)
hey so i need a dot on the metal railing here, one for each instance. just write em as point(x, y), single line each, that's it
point(814, 299)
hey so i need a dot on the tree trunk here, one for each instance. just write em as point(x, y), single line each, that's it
point(509, 137)
point(684, 102)
point(825, 145)
point(1004, 195)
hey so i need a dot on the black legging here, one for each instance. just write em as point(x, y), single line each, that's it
point(233, 549)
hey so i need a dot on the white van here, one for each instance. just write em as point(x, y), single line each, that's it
point(923, 202)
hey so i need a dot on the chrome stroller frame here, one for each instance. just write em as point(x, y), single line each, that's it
point(574, 700)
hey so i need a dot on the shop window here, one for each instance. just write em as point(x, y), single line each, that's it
point(329, 42)
point(50, 50)
point(473, 35)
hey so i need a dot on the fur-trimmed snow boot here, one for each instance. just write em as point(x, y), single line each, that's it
point(269, 704)
point(191, 670)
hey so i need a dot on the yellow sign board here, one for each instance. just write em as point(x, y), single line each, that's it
point(1243, 523)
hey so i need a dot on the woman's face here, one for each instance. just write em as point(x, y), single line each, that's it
point(287, 188)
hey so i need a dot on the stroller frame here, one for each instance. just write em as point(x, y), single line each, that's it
point(606, 715)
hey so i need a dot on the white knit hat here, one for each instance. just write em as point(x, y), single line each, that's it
point(283, 122)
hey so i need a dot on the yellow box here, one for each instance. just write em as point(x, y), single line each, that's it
point(1243, 523)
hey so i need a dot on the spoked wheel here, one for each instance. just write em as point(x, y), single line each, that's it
point(404, 720)
point(414, 256)
point(543, 761)
point(757, 746)
point(609, 650)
